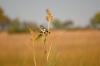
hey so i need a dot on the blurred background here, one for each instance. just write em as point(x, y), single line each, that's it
point(75, 32)
point(68, 14)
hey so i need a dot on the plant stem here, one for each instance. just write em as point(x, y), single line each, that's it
point(48, 26)
point(49, 51)
point(34, 58)
point(44, 42)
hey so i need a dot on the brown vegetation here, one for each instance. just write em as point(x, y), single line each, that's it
point(70, 48)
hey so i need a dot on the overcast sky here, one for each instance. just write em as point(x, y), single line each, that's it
point(80, 11)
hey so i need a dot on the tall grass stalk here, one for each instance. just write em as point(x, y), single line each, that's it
point(49, 19)
point(49, 51)
point(34, 56)
point(44, 35)
point(48, 26)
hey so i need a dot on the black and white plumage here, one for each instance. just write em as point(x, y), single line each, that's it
point(44, 30)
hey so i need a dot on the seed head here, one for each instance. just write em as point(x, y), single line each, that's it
point(49, 16)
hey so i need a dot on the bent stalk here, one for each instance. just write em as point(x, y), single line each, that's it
point(34, 56)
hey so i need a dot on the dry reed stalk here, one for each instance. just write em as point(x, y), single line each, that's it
point(44, 43)
point(49, 18)
point(34, 56)
point(48, 26)
point(49, 51)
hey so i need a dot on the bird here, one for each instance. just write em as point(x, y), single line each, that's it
point(44, 30)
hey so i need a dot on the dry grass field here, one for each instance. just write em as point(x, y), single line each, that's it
point(70, 48)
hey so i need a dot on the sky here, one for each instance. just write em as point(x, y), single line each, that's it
point(79, 11)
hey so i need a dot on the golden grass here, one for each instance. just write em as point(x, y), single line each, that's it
point(70, 48)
